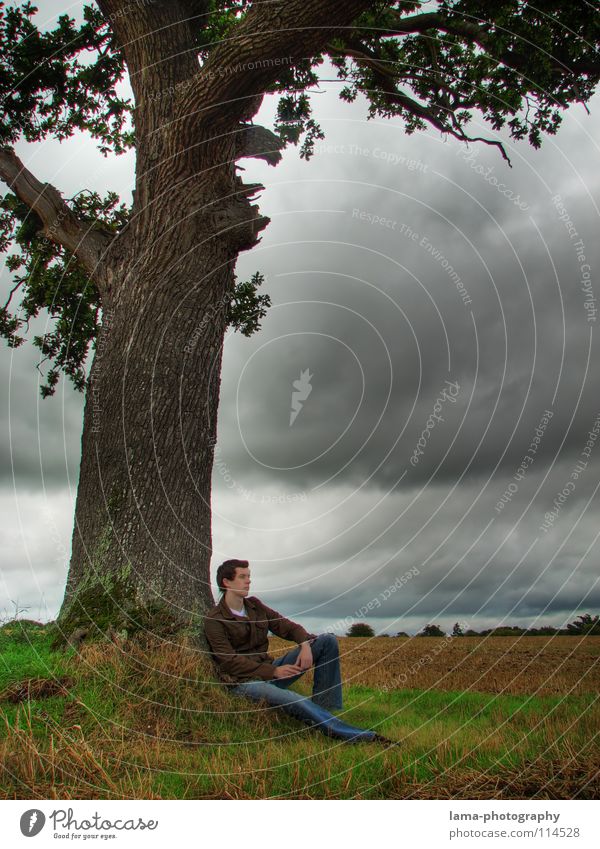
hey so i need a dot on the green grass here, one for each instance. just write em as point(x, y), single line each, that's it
point(152, 723)
point(25, 653)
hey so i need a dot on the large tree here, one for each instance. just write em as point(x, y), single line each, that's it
point(151, 288)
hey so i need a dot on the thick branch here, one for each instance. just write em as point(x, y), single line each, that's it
point(476, 34)
point(258, 143)
point(159, 40)
point(426, 21)
point(238, 72)
point(60, 224)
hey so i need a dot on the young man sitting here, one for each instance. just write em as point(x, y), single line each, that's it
point(237, 631)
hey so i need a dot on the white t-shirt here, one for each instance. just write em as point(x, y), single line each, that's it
point(239, 612)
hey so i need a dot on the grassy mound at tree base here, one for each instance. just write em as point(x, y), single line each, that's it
point(145, 718)
point(112, 610)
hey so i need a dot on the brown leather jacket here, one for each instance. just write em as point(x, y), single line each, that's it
point(239, 644)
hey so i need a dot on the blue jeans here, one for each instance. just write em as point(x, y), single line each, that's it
point(327, 691)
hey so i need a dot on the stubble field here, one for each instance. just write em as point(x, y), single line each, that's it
point(540, 666)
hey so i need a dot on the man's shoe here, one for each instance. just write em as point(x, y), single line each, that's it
point(379, 738)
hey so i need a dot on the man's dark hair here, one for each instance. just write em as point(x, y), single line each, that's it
point(227, 570)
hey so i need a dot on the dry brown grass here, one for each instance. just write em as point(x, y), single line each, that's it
point(36, 688)
point(63, 764)
point(516, 665)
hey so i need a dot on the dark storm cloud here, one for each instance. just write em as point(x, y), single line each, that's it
point(519, 347)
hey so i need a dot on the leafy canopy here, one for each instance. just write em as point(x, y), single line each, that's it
point(519, 65)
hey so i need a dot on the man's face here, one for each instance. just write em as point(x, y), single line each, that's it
point(241, 583)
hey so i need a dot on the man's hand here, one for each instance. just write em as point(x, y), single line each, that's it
point(305, 658)
point(287, 670)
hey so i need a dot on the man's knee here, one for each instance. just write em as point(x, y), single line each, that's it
point(327, 637)
point(328, 643)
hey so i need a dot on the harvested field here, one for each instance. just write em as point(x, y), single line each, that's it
point(511, 665)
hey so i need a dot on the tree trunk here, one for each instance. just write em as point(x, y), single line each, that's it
point(142, 536)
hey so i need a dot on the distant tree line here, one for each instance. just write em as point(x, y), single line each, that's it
point(584, 625)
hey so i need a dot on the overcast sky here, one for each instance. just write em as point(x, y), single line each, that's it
point(439, 319)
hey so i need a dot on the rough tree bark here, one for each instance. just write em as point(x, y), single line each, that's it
point(142, 522)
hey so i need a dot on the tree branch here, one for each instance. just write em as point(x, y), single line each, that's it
point(12, 292)
point(479, 35)
point(258, 143)
point(159, 40)
point(238, 72)
point(388, 89)
point(61, 226)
